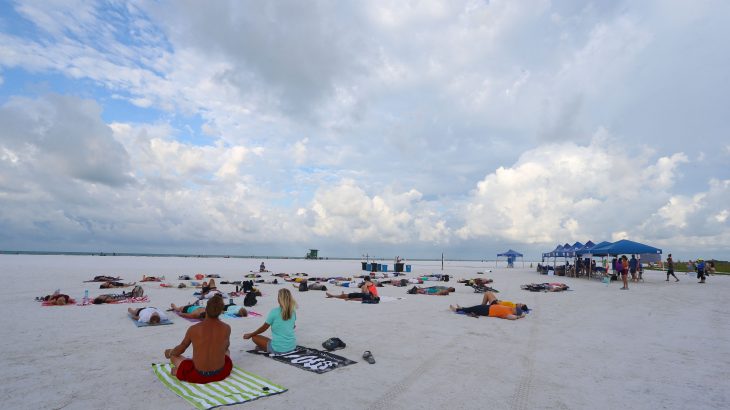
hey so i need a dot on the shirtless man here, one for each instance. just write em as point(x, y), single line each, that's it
point(368, 292)
point(210, 339)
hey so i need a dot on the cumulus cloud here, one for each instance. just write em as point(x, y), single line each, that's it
point(568, 192)
point(462, 124)
point(63, 135)
point(346, 212)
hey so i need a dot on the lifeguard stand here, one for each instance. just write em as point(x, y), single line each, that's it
point(312, 254)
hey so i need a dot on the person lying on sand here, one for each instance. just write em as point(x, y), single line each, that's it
point(110, 298)
point(103, 278)
point(56, 298)
point(211, 341)
point(368, 292)
point(149, 315)
point(545, 287)
point(476, 281)
point(146, 278)
point(494, 310)
point(109, 285)
point(191, 311)
point(198, 312)
point(490, 298)
point(282, 320)
point(431, 290)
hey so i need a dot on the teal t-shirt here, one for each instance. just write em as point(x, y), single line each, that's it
point(282, 331)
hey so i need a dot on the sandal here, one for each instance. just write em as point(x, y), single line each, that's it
point(368, 357)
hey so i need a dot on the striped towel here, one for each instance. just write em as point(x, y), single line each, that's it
point(239, 387)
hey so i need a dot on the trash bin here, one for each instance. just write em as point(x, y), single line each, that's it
point(398, 267)
point(408, 268)
point(368, 266)
point(364, 265)
point(383, 268)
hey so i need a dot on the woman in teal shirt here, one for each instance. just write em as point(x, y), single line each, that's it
point(282, 322)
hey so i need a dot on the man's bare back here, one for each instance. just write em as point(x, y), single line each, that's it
point(211, 339)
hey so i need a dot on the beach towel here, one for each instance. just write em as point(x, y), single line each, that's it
point(308, 359)
point(145, 324)
point(390, 299)
point(240, 387)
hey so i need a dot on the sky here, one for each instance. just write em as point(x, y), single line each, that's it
point(381, 128)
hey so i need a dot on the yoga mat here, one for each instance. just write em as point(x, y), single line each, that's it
point(308, 359)
point(240, 387)
point(145, 324)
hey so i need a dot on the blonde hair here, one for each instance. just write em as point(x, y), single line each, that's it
point(287, 303)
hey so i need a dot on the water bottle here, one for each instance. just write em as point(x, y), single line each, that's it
point(86, 296)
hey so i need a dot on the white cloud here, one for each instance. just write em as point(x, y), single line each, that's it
point(568, 192)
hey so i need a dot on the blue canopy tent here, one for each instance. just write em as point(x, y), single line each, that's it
point(511, 256)
point(627, 247)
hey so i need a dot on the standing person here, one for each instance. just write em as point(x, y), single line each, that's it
point(262, 267)
point(670, 268)
point(282, 321)
point(701, 270)
point(210, 339)
point(632, 268)
point(622, 264)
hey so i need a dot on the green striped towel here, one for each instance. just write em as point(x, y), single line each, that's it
point(239, 387)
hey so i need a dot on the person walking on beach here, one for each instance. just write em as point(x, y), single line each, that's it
point(670, 268)
point(701, 270)
point(211, 340)
point(622, 265)
point(282, 321)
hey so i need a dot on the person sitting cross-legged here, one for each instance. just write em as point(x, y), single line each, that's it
point(211, 340)
point(282, 320)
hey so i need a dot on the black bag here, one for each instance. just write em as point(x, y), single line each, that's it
point(250, 299)
point(303, 287)
point(246, 286)
point(445, 278)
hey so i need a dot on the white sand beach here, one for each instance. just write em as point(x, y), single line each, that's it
point(660, 345)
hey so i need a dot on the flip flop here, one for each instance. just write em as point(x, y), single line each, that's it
point(368, 357)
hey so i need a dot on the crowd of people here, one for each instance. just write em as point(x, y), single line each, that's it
point(210, 337)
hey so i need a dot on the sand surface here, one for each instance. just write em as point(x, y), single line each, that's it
point(660, 345)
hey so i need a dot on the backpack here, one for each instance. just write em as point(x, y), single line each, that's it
point(250, 299)
point(246, 286)
point(303, 287)
point(137, 292)
point(445, 278)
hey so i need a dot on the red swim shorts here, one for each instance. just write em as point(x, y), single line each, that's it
point(186, 372)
